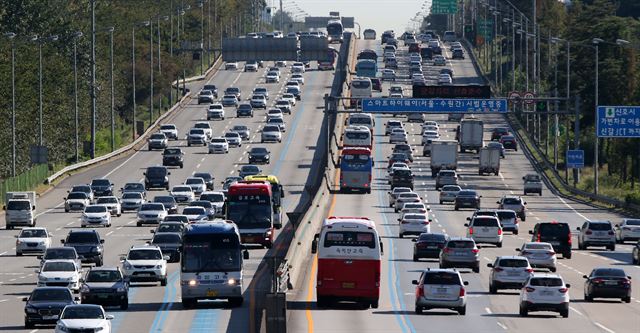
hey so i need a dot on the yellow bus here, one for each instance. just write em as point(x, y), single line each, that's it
point(278, 194)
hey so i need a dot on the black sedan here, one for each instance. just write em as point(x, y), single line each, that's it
point(509, 142)
point(635, 254)
point(208, 179)
point(106, 286)
point(259, 155)
point(169, 243)
point(428, 245)
point(607, 283)
point(468, 199)
point(45, 304)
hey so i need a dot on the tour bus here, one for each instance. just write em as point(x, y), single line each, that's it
point(334, 31)
point(367, 68)
point(250, 206)
point(360, 88)
point(362, 119)
point(211, 265)
point(278, 194)
point(329, 64)
point(356, 169)
point(357, 136)
point(349, 255)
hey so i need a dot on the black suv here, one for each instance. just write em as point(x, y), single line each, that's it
point(208, 179)
point(156, 177)
point(402, 178)
point(88, 244)
point(45, 304)
point(259, 155)
point(169, 202)
point(101, 187)
point(212, 88)
point(558, 234)
point(173, 157)
point(105, 286)
point(244, 110)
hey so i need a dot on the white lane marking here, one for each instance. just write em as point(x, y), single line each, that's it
point(604, 328)
point(198, 166)
point(70, 223)
point(501, 176)
point(3, 300)
point(12, 280)
point(504, 327)
point(566, 204)
point(3, 253)
point(34, 331)
point(537, 218)
point(488, 310)
point(576, 311)
point(121, 164)
point(109, 233)
point(118, 228)
point(487, 259)
point(202, 159)
point(511, 192)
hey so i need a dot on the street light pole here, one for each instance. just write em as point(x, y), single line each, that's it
point(133, 77)
point(150, 72)
point(113, 118)
point(596, 42)
point(93, 79)
point(11, 36)
point(75, 93)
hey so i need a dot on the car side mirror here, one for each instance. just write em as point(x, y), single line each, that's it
point(166, 257)
point(490, 265)
point(168, 173)
point(479, 196)
point(414, 282)
point(578, 228)
point(152, 231)
point(148, 242)
point(65, 198)
point(585, 277)
point(123, 258)
point(16, 236)
point(102, 241)
point(37, 271)
point(522, 178)
point(530, 232)
point(498, 202)
point(245, 254)
point(399, 220)
point(33, 207)
point(468, 219)
point(62, 241)
point(466, 283)
point(39, 257)
point(466, 224)
point(144, 173)
point(567, 285)
point(109, 317)
point(414, 240)
point(25, 299)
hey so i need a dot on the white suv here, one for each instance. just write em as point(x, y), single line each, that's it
point(218, 145)
point(596, 233)
point(440, 289)
point(60, 273)
point(145, 263)
point(215, 111)
point(508, 272)
point(545, 292)
point(33, 240)
point(414, 224)
point(485, 229)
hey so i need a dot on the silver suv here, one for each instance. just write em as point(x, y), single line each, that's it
point(596, 233)
point(441, 289)
point(514, 203)
point(460, 252)
point(508, 272)
point(446, 177)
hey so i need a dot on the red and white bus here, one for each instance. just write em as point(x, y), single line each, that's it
point(349, 258)
point(250, 206)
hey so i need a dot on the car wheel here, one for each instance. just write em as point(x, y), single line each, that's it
point(523, 310)
point(99, 262)
point(125, 304)
point(28, 324)
point(163, 282)
point(66, 210)
point(612, 247)
point(493, 289)
point(462, 310)
point(564, 313)
point(18, 254)
point(476, 269)
point(322, 302)
point(515, 232)
point(456, 208)
point(553, 269)
point(188, 303)
point(499, 244)
point(138, 224)
point(627, 299)
point(235, 302)
point(418, 309)
point(401, 235)
point(567, 255)
point(374, 304)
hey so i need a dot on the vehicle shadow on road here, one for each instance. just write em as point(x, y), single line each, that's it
point(425, 313)
point(513, 315)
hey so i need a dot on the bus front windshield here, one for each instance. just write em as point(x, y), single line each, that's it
point(205, 257)
point(250, 211)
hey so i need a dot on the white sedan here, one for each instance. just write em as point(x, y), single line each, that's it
point(398, 134)
point(112, 203)
point(60, 273)
point(182, 193)
point(84, 317)
point(33, 240)
point(444, 79)
point(289, 97)
point(388, 74)
point(96, 215)
point(218, 145)
point(231, 65)
point(297, 77)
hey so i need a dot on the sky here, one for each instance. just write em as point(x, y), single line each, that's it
point(379, 15)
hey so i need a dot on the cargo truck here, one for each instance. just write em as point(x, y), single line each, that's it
point(489, 161)
point(444, 156)
point(470, 137)
point(20, 209)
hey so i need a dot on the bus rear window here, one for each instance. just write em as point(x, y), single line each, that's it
point(357, 136)
point(360, 84)
point(349, 238)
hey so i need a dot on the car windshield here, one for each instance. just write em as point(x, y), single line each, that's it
point(409, 195)
point(176, 218)
point(600, 226)
point(194, 181)
point(19, 205)
point(538, 246)
point(219, 140)
point(461, 245)
point(64, 253)
point(135, 186)
point(77, 195)
point(51, 295)
point(464, 193)
point(167, 127)
point(450, 188)
point(165, 199)
point(193, 211)
point(82, 237)
point(156, 172)
point(511, 201)
point(554, 229)
point(441, 278)
point(271, 129)
point(546, 282)
point(106, 200)
point(151, 206)
point(213, 197)
point(250, 168)
point(258, 150)
point(164, 238)
point(505, 215)
point(432, 237)
point(229, 97)
point(202, 203)
point(103, 276)
point(513, 263)
point(415, 217)
point(170, 227)
point(82, 312)
point(33, 233)
point(633, 222)
point(95, 209)
point(609, 272)
point(172, 151)
point(144, 255)
point(59, 266)
point(484, 222)
point(204, 176)
point(181, 189)
point(100, 182)
point(81, 188)
point(157, 137)
point(232, 135)
point(196, 131)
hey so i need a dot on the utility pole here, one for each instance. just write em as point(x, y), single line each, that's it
point(113, 106)
point(596, 42)
point(11, 36)
point(75, 92)
point(133, 77)
point(93, 78)
point(150, 72)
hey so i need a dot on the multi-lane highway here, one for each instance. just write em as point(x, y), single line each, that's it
point(154, 308)
point(485, 312)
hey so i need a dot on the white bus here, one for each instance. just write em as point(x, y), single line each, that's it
point(360, 87)
point(349, 257)
point(357, 136)
point(361, 119)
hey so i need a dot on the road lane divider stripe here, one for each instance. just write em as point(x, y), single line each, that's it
point(604, 328)
point(167, 302)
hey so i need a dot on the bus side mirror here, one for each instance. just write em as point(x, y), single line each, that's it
point(314, 246)
point(245, 254)
point(381, 245)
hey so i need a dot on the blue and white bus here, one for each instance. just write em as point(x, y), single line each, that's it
point(356, 168)
point(211, 265)
point(334, 31)
point(366, 68)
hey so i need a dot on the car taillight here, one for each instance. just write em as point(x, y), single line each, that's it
point(498, 269)
point(446, 250)
point(625, 282)
point(551, 253)
point(597, 281)
point(425, 222)
point(529, 270)
point(475, 250)
point(470, 230)
point(419, 291)
point(568, 238)
point(440, 246)
point(462, 292)
point(538, 238)
point(529, 289)
point(589, 232)
point(563, 290)
point(499, 232)
point(404, 222)
point(516, 221)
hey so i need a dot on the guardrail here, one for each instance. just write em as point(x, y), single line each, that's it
point(142, 137)
point(545, 165)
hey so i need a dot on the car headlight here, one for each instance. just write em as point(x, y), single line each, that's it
point(96, 250)
point(84, 288)
point(158, 267)
point(30, 310)
point(231, 282)
point(127, 265)
point(62, 328)
point(42, 278)
point(121, 289)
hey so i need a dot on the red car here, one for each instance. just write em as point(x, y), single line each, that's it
point(509, 142)
point(398, 157)
point(376, 84)
point(498, 132)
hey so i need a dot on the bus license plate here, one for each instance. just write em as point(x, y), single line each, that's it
point(212, 293)
point(348, 285)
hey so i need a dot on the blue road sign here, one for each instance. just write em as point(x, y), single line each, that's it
point(434, 105)
point(575, 159)
point(618, 122)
